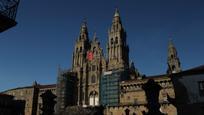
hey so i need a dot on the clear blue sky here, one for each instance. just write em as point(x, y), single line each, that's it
point(47, 30)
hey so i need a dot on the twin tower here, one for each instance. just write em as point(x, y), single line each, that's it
point(87, 51)
point(89, 62)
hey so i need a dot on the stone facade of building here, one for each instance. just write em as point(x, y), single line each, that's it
point(173, 61)
point(31, 96)
point(88, 64)
point(133, 97)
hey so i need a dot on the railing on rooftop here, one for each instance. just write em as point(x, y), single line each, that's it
point(8, 8)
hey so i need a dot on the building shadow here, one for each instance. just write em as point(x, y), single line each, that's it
point(152, 90)
point(182, 100)
point(48, 103)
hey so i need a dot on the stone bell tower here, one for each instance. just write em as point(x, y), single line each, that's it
point(118, 50)
point(79, 62)
point(173, 59)
point(81, 47)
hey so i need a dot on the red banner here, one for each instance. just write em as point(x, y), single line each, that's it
point(90, 56)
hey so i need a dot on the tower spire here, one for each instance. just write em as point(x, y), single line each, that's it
point(83, 30)
point(117, 14)
point(171, 45)
point(118, 51)
point(81, 46)
point(173, 59)
point(95, 37)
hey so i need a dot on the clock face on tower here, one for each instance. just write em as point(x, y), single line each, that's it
point(90, 56)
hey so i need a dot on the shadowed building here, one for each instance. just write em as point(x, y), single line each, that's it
point(9, 106)
point(189, 91)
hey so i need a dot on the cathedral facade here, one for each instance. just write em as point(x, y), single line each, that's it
point(93, 69)
point(89, 62)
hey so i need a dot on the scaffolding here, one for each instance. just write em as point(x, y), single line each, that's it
point(110, 87)
point(8, 11)
point(66, 90)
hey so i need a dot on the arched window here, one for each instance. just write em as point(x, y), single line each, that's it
point(83, 95)
point(80, 49)
point(77, 49)
point(134, 114)
point(94, 50)
point(93, 79)
point(93, 99)
point(111, 41)
point(173, 69)
point(116, 40)
point(93, 67)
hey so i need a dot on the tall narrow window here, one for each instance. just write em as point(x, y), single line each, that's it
point(94, 49)
point(116, 40)
point(172, 56)
point(173, 69)
point(93, 99)
point(93, 79)
point(80, 49)
point(111, 41)
point(93, 67)
point(83, 95)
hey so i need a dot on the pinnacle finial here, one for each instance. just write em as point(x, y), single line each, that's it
point(94, 37)
point(171, 42)
point(35, 83)
point(84, 23)
point(83, 30)
point(116, 12)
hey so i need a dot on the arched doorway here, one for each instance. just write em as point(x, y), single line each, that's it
point(93, 98)
point(134, 113)
point(127, 111)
